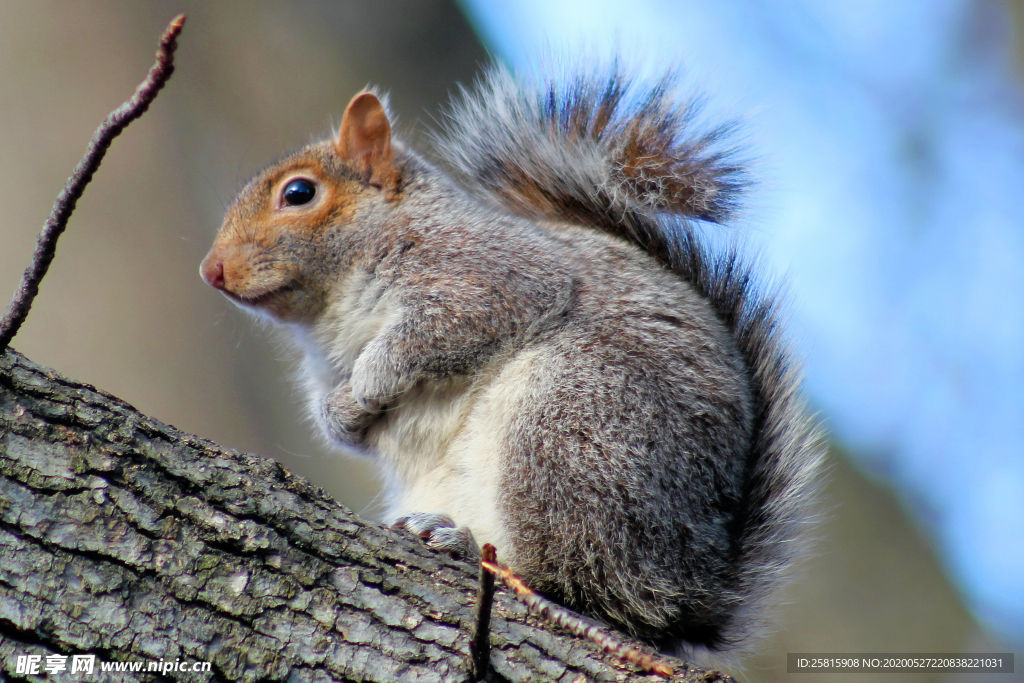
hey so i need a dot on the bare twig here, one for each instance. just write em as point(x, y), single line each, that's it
point(116, 121)
point(560, 616)
point(481, 645)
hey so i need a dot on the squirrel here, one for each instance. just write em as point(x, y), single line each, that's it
point(540, 349)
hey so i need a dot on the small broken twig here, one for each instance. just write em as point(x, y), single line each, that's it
point(480, 647)
point(560, 616)
point(116, 121)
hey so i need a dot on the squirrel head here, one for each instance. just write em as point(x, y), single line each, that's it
point(272, 254)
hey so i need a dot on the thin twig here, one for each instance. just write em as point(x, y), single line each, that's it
point(481, 645)
point(116, 121)
point(560, 616)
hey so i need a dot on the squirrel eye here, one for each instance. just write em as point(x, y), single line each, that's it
point(299, 192)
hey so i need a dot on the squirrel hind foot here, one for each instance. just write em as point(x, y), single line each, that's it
point(440, 532)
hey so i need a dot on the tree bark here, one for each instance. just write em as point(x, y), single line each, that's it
point(125, 538)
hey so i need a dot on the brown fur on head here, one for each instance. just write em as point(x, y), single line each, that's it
point(266, 246)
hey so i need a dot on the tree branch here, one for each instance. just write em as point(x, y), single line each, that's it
point(128, 539)
point(116, 121)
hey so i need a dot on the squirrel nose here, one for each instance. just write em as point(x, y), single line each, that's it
point(213, 272)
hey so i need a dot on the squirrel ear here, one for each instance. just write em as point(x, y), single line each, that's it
point(365, 138)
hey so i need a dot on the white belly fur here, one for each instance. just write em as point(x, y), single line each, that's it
point(443, 447)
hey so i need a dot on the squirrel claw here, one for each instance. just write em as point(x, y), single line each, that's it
point(371, 405)
point(439, 531)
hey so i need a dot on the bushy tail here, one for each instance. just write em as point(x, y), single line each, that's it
point(593, 150)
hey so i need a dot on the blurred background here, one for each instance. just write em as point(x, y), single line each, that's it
point(888, 141)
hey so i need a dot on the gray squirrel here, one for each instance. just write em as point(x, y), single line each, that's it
point(540, 350)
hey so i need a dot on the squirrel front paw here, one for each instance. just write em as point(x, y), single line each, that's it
point(439, 531)
point(380, 375)
point(343, 418)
